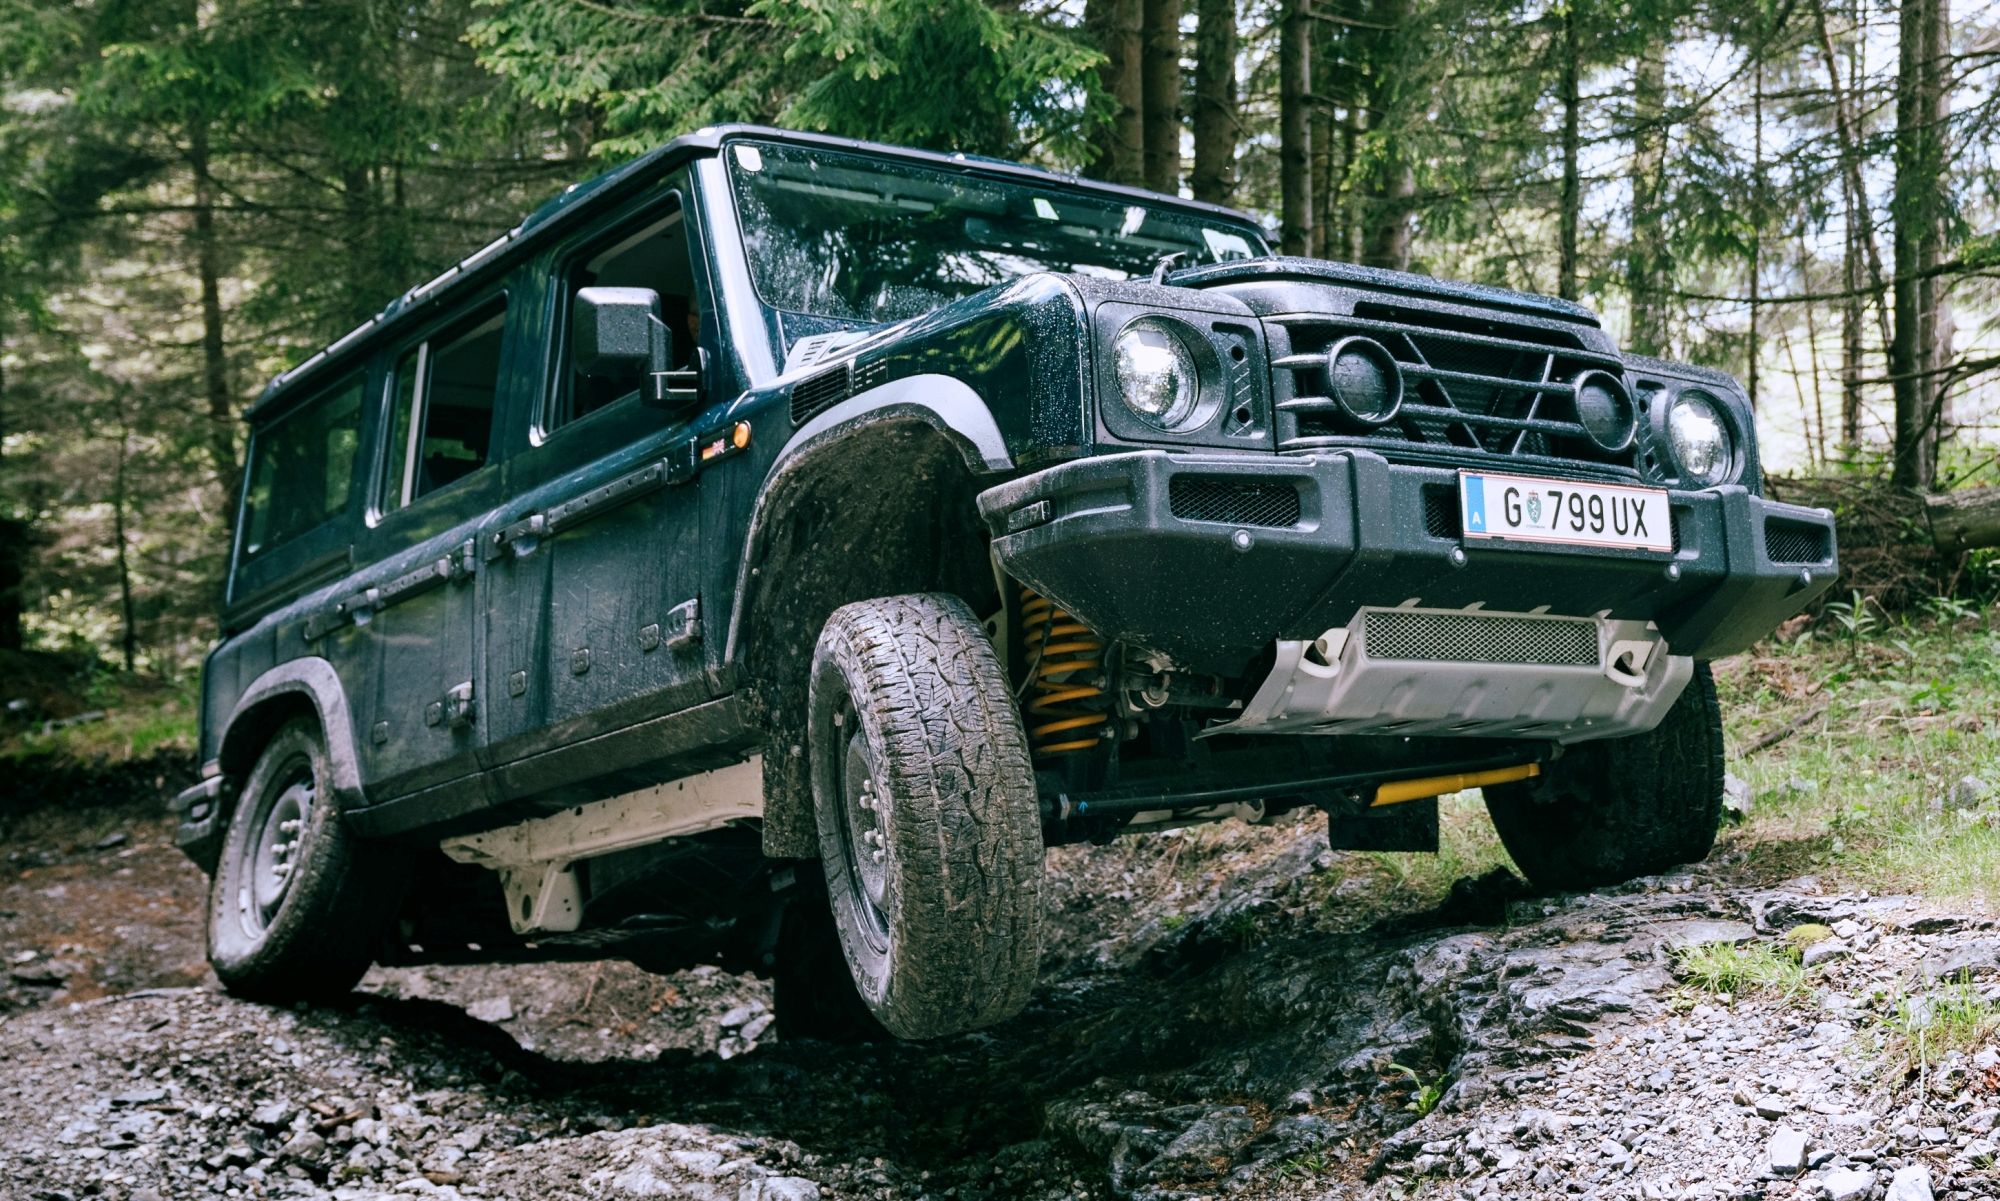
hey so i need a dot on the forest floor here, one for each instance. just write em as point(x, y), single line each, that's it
point(1224, 1011)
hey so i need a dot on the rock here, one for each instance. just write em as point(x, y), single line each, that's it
point(1772, 1106)
point(1933, 1135)
point(1786, 1152)
point(1910, 1183)
point(1978, 957)
point(150, 1095)
point(1847, 1184)
point(792, 1188)
point(492, 1009)
point(272, 1114)
point(754, 1028)
point(1825, 951)
point(739, 1016)
point(305, 1145)
point(1846, 927)
point(1969, 793)
point(1735, 797)
point(1675, 936)
point(120, 838)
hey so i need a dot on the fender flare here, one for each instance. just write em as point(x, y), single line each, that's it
point(314, 679)
point(942, 402)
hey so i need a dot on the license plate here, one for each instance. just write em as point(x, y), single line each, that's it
point(1519, 508)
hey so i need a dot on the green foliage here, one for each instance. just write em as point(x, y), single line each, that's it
point(1425, 1094)
point(1922, 1030)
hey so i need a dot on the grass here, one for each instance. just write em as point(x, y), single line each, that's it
point(1467, 846)
point(1732, 971)
point(1887, 724)
point(1922, 1031)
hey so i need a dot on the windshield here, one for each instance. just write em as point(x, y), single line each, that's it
point(868, 239)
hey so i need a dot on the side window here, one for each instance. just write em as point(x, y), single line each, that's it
point(441, 416)
point(302, 468)
point(653, 255)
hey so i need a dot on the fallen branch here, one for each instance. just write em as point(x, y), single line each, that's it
point(1771, 738)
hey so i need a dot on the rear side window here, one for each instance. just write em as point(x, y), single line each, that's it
point(302, 468)
point(441, 417)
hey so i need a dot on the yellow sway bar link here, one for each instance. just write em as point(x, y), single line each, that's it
point(1395, 792)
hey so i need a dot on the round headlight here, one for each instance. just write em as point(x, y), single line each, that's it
point(1156, 372)
point(1699, 439)
point(1365, 381)
point(1604, 408)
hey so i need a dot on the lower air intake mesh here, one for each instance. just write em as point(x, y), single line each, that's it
point(1233, 501)
point(1472, 638)
point(1796, 542)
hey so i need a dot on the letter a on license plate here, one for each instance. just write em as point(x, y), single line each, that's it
point(1518, 508)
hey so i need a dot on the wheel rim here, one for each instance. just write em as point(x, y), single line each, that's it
point(268, 863)
point(863, 837)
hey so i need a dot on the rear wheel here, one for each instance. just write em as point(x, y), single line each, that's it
point(925, 804)
point(298, 905)
point(1608, 811)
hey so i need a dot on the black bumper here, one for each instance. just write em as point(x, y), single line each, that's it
point(1209, 558)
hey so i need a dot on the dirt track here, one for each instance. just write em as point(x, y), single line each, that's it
point(1220, 1013)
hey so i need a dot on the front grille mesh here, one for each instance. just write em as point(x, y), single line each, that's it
point(1796, 542)
point(1477, 638)
point(1478, 387)
point(1441, 513)
point(1233, 501)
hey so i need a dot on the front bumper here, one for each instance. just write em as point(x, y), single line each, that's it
point(1214, 558)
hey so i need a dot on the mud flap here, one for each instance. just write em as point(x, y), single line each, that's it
point(1410, 826)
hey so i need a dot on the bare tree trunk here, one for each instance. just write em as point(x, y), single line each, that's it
point(1816, 427)
point(13, 533)
point(1915, 361)
point(1321, 138)
point(220, 402)
point(1861, 222)
point(1350, 221)
point(1160, 95)
point(1215, 121)
point(1394, 201)
point(1572, 183)
point(1756, 349)
point(1294, 131)
point(129, 642)
point(1646, 265)
point(1119, 145)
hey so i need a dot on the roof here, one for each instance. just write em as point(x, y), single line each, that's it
point(581, 201)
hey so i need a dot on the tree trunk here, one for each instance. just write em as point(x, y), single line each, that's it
point(1160, 88)
point(1572, 183)
point(1350, 221)
point(1756, 348)
point(1394, 201)
point(1119, 144)
point(129, 641)
point(1215, 121)
point(1294, 131)
point(1964, 520)
point(1915, 351)
point(13, 533)
point(1646, 266)
point(220, 404)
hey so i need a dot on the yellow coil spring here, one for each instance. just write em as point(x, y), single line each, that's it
point(1065, 666)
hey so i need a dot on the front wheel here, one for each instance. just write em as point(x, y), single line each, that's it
point(1623, 807)
point(925, 804)
point(298, 904)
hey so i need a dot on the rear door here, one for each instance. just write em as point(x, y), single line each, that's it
point(412, 622)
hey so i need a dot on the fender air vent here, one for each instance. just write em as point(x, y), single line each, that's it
point(815, 394)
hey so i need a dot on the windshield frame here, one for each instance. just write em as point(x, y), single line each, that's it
point(990, 170)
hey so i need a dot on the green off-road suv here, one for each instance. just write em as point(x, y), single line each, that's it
point(763, 552)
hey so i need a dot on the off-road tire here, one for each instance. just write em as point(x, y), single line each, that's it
point(812, 991)
point(340, 897)
point(1623, 807)
point(949, 937)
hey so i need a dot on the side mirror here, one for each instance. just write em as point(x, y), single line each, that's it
point(616, 333)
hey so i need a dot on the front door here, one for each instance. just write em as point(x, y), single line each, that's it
point(594, 622)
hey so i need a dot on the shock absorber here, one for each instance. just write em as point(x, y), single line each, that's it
point(1069, 707)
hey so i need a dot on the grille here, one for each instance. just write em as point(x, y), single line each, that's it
point(1796, 542)
point(815, 394)
point(1470, 385)
point(1441, 513)
point(1233, 501)
point(1473, 638)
